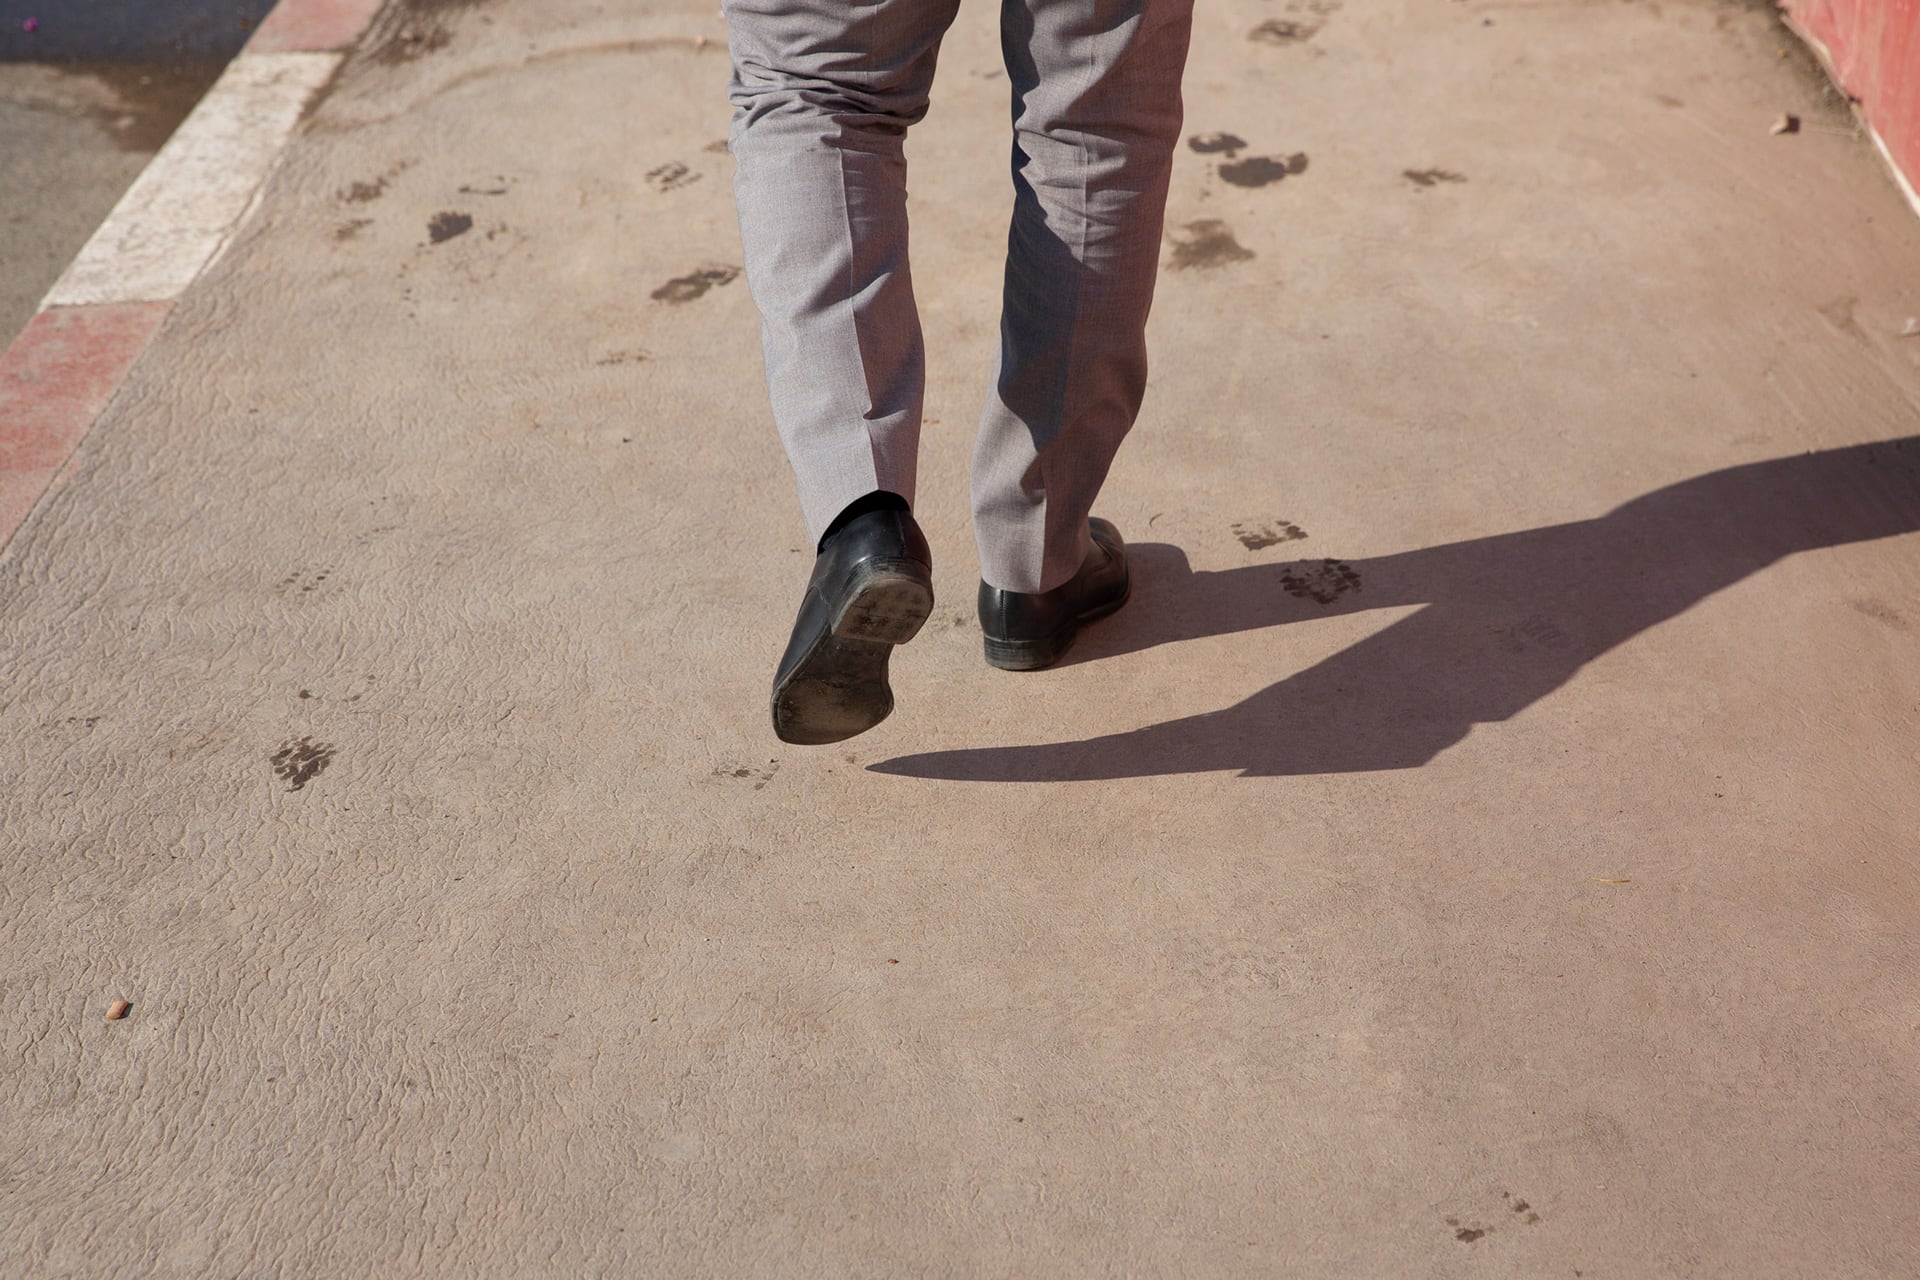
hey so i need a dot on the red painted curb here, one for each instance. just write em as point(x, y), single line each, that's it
point(55, 379)
point(312, 26)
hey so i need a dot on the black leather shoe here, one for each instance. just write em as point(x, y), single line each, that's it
point(872, 588)
point(1026, 632)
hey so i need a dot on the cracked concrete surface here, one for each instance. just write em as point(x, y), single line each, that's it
point(1484, 847)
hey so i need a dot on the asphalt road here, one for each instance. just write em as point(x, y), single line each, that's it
point(126, 30)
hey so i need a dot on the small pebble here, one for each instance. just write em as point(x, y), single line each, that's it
point(1785, 124)
point(118, 1010)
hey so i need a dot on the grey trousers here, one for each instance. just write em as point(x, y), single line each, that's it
point(823, 93)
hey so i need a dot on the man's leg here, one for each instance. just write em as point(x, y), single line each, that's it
point(824, 91)
point(1096, 115)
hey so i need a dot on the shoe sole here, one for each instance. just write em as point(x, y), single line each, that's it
point(839, 689)
point(1035, 655)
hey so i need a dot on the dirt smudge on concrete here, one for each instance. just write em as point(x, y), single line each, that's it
point(1880, 611)
point(1839, 314)
point(412, 29)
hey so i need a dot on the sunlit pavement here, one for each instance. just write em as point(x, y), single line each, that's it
point(1484, 846)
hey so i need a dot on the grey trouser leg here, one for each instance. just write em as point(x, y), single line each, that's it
point(1096, 101)
point(824, 91)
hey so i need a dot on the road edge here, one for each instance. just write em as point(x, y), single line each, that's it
point(65, 367)
point(1824, 56)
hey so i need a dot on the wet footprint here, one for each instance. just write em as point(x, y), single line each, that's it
point(1532, 633)
point(694, 284)
point(1284, 31)
point(1469, 1230)
point(1254, 171)
point(1207, 243)
point(1521, 1208)
point(300, 761)
point(1260, 171)
point(305, 580)
point(443, 227)
point(1259, 535)
point(671, 177)
point(1322, 583)
point(747, 773)
point(1210, 144)
point(365, 191)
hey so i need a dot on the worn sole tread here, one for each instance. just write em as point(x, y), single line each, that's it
point(840, 688)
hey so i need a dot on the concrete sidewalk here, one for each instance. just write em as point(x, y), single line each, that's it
point(1486, 846)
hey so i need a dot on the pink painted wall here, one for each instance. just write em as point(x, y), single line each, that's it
point(1873, 47)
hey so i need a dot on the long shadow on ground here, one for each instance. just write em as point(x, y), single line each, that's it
point(1508, 619)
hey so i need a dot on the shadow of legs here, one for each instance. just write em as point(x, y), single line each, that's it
point(1508, 619)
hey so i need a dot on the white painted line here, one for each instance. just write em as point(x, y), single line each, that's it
point(1899, 175)
point(179, 213)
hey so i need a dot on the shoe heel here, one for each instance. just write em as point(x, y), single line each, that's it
point(1027, 655)
point(889, 602)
